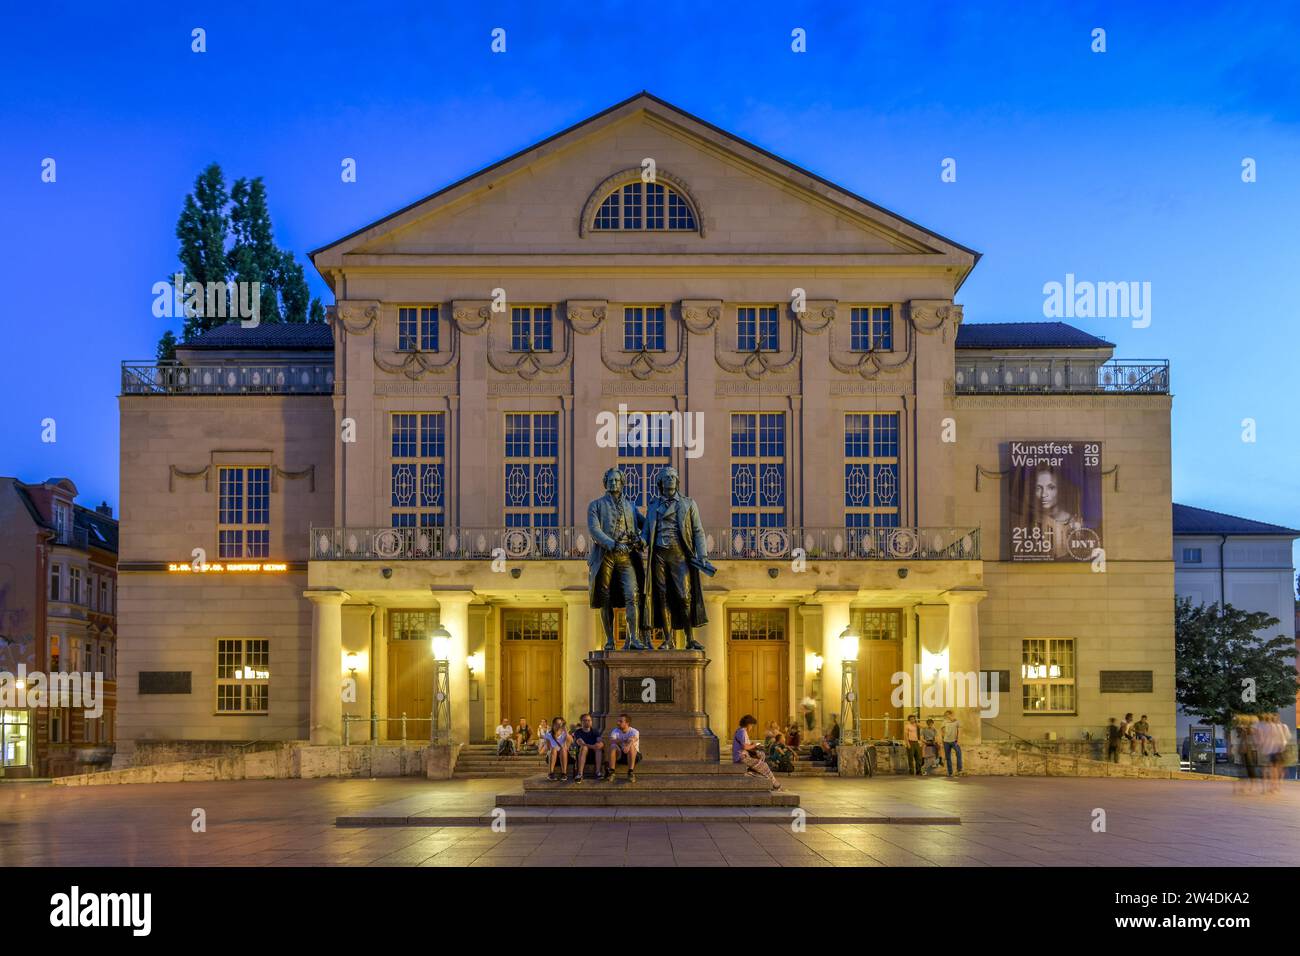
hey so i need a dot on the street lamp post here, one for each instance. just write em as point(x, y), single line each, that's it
point(440, 718)
point(849, 685)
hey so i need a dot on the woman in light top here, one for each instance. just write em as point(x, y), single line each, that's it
point(557, 748)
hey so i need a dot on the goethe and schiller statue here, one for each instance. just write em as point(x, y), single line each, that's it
point(660, 589)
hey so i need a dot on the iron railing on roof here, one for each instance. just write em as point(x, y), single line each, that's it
point(248, 378)
point(1062, 376)
point(725, 544)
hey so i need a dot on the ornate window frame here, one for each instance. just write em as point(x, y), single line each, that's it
point(586, 223)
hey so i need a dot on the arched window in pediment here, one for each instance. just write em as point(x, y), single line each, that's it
point(623, 203)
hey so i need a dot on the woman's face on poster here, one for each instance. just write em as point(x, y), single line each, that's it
point(1045, 490)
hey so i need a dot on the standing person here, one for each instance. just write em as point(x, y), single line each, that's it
point(912, 741)
point(505, 738)
point(1112, 741)
point(557, 748)
point(809, 707)
point(1269, 747)
point(744, 750)
point(587, 739)
point(1142, 733)
point(951, 733)
point(930, 745)
point(624, 746)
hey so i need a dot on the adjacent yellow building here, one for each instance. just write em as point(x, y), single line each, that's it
point(308, 512)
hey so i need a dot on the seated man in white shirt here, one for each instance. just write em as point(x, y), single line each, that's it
point(624, 741)
point(505, 738)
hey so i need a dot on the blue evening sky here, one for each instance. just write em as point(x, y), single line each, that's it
point(1117, 166)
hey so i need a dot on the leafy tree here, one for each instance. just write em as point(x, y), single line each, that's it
point(227, 237)
point(1220, 658)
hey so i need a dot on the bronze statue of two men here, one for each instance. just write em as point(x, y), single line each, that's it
point(664, 594)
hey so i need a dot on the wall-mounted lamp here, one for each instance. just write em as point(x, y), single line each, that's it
point(817, 662)
point(773, 572)
point(515, 572)
point(475, 662)
point(386, 572)
point(902, 572)
point(352, 661)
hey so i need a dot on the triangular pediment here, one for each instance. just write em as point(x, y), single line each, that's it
point(749, 202)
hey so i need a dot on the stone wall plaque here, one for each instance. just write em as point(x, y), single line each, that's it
point(164, 682)
point(1003, 678)
point(657, 689)
point(1126, 682)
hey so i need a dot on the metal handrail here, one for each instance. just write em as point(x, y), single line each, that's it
point(1061, 376)
point(349, 719)
point(227, 378)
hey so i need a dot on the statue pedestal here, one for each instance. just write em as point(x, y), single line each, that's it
point(662, 693)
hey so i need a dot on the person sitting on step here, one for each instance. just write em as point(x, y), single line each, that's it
point(587, 743)
point(505, 738)
point(744, 750)
point(557, 748)
point(624, 746)
point(522, 735)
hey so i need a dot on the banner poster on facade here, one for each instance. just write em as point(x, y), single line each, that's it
point(1054, 511)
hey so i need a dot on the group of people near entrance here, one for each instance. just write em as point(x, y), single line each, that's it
point(922, 744)
point(580, 746)
point(583, 745)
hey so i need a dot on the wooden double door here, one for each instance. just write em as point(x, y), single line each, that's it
point(878, 662)
point(531, 666)
point(758, 668)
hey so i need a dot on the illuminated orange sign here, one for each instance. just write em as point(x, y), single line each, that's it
point(243, 567)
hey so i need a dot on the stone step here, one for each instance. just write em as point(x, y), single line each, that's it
point(490, 775)
point(633, 796)
point(702, 781)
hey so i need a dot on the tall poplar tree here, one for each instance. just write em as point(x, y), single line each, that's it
point(227, 237)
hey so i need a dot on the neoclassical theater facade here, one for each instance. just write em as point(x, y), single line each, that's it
point(886, 488)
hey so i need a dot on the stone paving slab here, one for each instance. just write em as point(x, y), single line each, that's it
point(1042, 822)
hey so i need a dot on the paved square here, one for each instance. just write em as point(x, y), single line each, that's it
point(1009, 821)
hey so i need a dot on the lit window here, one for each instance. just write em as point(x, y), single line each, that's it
point(244, 513)
point(757, 624)
point(643, 328)
point(756, 329)
point(1047, 676)
point(243, 676)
